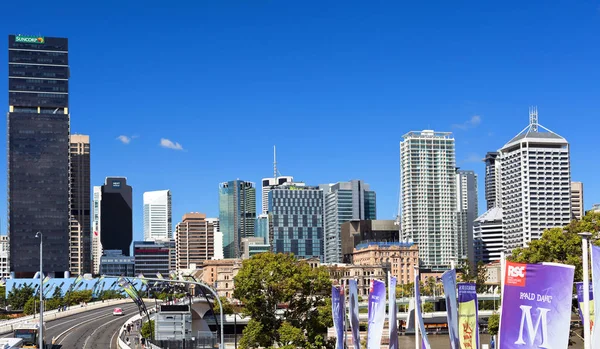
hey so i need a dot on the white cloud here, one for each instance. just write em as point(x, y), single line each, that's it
point(124, 139)
point(167, 143)
point(473, 122)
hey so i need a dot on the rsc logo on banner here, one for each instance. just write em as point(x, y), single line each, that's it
point(516, 275)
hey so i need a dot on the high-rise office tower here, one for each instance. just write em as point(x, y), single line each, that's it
point(237, 213)
point(157, 216)
point(466, 211)
point(490, 179)
point(261, 227)
point(344, 202)
point(535, 180)
point(267, 183)
point(96, 230)
point(116, 218)
point(38, 153)
point(80, 249)
point(296, 220)
point(577, 200)
point(428, 183)
point(195, 240)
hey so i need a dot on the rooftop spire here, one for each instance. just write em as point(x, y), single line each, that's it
point(274, 162)
point(533, 119)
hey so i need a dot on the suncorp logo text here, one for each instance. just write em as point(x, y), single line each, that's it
point(30, 39)
point(516, 274)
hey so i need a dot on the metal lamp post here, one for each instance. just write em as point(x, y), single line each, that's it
point(585, 246)
point(39, 235)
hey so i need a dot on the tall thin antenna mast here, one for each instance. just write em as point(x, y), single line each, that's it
point(533, 119)
point(274, 162)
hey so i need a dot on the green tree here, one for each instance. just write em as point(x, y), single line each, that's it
point(147, 330)
point(31, 306)
point(560, 245)
point(56, 299)
point(494, 324)
point(17, 297)
point(269, 280)
point(428, 307)
point(227, 306)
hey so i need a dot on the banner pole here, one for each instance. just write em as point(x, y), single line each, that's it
point(417, 277)
point(586, 288)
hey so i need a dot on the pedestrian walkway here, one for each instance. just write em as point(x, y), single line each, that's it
point(132, 335)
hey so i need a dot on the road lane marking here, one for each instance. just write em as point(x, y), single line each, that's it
point(96, 330)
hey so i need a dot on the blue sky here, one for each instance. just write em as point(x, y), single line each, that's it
point(333, 84)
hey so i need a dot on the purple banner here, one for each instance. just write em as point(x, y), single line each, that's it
point(376, 314)
point(337, 313)
point(425, 342)
point(536, 307)
point(449, 282)
point(579, 286)
point(354, 323)
point(468, 324)
point(393, 310)
point(596, 290)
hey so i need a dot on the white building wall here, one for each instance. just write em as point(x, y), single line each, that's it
point(428, 186)
point(535, 185)
point(157, 216)
point(96, 230)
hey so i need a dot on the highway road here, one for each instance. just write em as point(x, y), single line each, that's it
point(95, 329)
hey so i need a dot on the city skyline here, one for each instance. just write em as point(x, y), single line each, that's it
point(479, 106)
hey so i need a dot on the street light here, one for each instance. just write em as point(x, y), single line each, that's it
point(585, 246)
point(41, 332)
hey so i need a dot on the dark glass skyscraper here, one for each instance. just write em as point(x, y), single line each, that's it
point(116, 217)
point(38, 153)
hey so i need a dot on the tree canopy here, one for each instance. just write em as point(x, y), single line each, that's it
point(268, 282)
point(561, 245)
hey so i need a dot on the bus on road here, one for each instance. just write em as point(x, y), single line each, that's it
point(29, 333)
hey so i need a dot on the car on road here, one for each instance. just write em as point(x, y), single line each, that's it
point(118, 312)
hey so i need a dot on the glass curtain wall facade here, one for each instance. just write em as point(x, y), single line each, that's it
point(237, 215)
point(116, 219)
point(38, 153)
point(344, 202)
point(296, 220)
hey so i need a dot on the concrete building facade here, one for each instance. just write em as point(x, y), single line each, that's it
point(355, 232)
point(428, 196)
point(158, 225)
point(466, 212)
point(488, 236)
point(195, 240)
point(577, 208)
point(80, 254)
point(296, 220)
point(535, 180)
point(399, 258)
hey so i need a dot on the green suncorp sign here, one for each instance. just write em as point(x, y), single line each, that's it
point(30, 39)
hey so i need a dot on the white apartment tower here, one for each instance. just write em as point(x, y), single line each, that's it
point(96, 230)
point(535, 183)
point(157, 216)
point(428, 199)
point(267, 183)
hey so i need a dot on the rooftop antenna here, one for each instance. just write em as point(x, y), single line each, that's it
point(274, 162)
point(533, 119)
